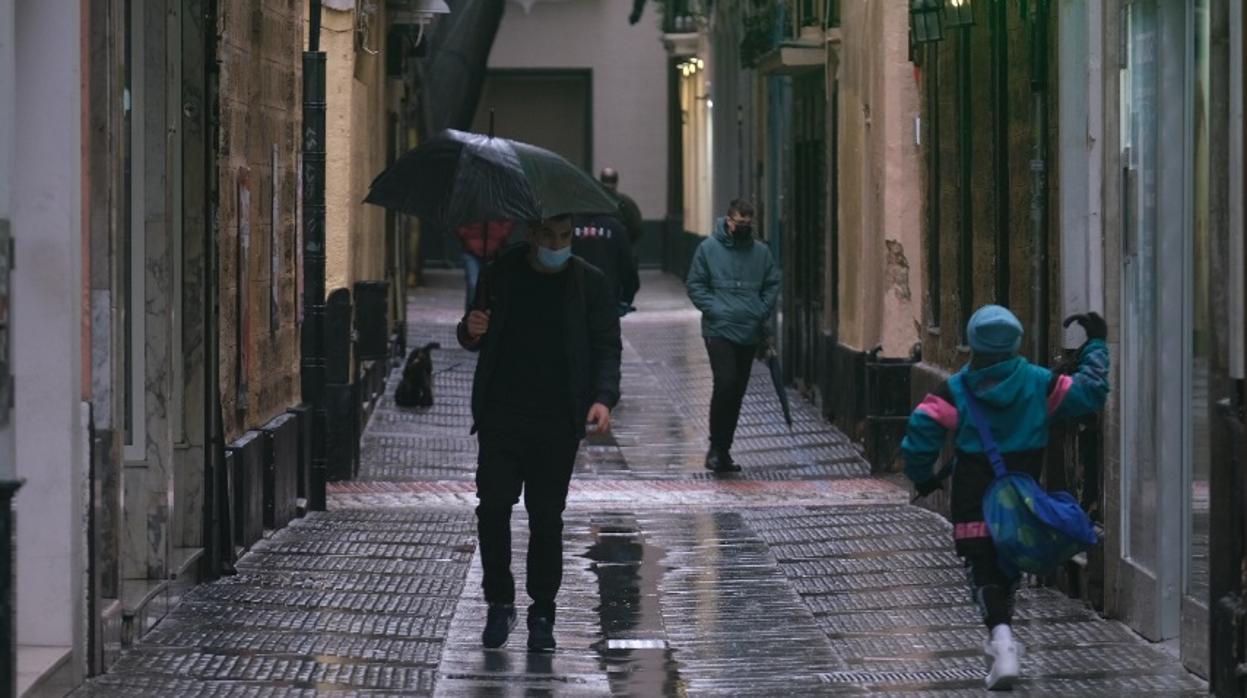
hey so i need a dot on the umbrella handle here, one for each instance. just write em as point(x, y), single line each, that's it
point(491, 122)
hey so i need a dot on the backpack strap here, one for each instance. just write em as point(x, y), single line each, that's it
point(975, 409)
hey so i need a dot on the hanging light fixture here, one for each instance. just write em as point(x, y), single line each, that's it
point(958, 13)
point(925, 20)
point(419, 13)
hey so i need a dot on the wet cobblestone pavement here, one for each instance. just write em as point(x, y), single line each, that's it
point(800, 576)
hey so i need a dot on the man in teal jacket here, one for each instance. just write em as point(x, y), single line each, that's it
point(734, 282)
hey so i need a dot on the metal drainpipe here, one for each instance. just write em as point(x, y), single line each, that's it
point(220, 556)
point(1039, 181)
point(932, 78)
point(1000, 150)
point(313, 339)
point(965, 157)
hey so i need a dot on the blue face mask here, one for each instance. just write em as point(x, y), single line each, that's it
point(553, 259)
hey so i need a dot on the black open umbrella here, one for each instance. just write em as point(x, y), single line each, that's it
point(458, 177)
point(777, 380)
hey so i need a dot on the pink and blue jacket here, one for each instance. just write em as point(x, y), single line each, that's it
point(1021, 400)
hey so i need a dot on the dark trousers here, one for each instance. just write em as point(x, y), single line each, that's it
point(731, 364)
point(539, 464)
point(993, 591)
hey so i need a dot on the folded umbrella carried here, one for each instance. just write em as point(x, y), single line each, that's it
point(457, 178)
point(777, 380)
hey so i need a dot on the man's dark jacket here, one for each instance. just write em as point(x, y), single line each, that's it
point(602, 241)
point(630, 214)
point(591, 326)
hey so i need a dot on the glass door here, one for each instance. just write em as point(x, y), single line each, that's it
point(1206, 368)
point(1154, 346)
point(1171, 369)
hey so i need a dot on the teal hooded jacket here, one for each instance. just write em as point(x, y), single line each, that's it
point(1020, 401)
point(735, 285)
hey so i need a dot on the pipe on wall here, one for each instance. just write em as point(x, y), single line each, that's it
point(312, 362)
point(1039, 181)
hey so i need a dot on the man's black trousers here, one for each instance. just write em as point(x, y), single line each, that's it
point(731, 364)
point(539, 463)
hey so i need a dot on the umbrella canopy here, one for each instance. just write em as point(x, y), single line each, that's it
point(458, 177)
point(777, 379)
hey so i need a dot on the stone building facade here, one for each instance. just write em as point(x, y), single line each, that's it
point(177, 159)
point(258, 154)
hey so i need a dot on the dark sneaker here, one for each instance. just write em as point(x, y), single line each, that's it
point(540, 634)
point(498, 624)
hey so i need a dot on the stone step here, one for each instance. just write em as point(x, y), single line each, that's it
point(111, 622)
point(143, 603)
point(44, 670)
point(185, 571)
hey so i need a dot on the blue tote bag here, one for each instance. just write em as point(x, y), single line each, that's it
point(1033, 530)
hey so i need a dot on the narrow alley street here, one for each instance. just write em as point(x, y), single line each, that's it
point(801, 575)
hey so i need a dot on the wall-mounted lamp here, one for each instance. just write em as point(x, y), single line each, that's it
point(691, 66)
point(925, 20)
point(417, 12)
point(958, 13)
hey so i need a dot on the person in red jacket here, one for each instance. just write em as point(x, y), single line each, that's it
point(481, 243)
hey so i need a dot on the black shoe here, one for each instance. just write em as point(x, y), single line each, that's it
point(498, 624)
point(540, 634)
point(713, 460)
point(720, 461)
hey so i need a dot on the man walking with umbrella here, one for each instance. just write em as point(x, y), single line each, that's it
point(546, 327)
point(734, 282)
point(547, 331)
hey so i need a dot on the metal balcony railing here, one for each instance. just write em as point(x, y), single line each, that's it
point(678, 17)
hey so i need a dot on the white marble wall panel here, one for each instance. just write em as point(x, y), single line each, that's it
point(149, 498)
point(48, 322)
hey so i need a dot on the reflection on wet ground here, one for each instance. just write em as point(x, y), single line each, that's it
point(635, 653)
point(801, 576)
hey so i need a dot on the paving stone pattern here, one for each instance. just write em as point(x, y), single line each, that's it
point(800, 576)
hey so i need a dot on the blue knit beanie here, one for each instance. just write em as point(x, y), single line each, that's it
point(994, 330)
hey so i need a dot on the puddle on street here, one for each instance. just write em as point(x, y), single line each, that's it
point(633, 649)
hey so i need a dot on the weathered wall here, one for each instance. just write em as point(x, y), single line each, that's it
point(629, 82)
point(942, 347)
point(355, 145)
point(261, 106)
point(880, 181)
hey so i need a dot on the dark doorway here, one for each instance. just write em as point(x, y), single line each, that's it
point(805, 252)
point(549, 108)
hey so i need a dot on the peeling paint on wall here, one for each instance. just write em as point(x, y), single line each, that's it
point(897, 272)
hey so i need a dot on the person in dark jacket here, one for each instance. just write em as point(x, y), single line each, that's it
point(1020, 401)
point(734, 282)
point(547, 332)
point(601, 240)
point(629, 212)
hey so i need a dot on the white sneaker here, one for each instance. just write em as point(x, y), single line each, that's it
point(1001, 653)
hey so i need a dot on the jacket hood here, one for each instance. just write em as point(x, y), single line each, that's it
point(998, 385)
point(723, 236)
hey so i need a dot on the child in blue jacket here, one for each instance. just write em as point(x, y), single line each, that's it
point(1020, 401)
